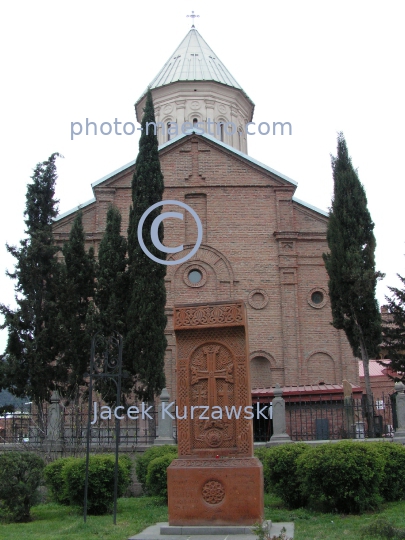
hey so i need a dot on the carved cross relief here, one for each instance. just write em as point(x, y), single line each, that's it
point(211, 374)
point(213, 386)
point(194, 152)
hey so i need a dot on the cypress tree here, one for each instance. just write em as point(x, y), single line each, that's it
point(112, 291)
point(351, 266)
point(75, 301)
point(145, 342)
point(112, 295)
point(29, 367)
point(394, 331)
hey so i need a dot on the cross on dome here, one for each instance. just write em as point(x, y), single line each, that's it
point(193, 16)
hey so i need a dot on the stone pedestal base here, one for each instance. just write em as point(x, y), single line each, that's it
point(163, 440)
point(224, 491)
point(275, 440)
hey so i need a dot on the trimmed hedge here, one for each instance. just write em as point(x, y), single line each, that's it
point(142, 462)
point(343, 477)
point(156, 478)
point(261, 453)
point(100, 494)
point(392, 486)
point(280, 471)
point(65, 478)
point(20, 476)
point(348, 476)
point(54, 480)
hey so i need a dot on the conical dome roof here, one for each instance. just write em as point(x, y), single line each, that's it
point(194, 60)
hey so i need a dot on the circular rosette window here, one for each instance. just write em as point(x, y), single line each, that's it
point(213, 492)
point(195, 276)
point(317, 297)
point(258, 299)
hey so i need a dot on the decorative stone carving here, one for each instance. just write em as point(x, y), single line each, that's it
point(234, 462)
point(212, 375)
point(213, 492)
point(258, 299)
point(217, 314)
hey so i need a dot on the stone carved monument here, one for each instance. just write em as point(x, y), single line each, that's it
point(216, 480)
point(280, 435)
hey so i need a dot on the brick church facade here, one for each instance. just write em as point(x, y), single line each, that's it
point(260, 243)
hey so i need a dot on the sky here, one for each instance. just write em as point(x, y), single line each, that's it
point(323, 66)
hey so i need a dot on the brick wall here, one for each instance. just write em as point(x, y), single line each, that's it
point(258, 246)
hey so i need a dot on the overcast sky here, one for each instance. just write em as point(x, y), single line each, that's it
point(323, 66)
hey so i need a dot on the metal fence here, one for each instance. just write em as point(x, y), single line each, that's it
point(32, 427)
point(262, 423)
point(316, 417)
point(23, 427)
point(323, 417)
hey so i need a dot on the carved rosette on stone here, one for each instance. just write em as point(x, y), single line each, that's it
point(216, 479)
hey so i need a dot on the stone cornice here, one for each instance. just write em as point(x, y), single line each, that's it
point(297, 235)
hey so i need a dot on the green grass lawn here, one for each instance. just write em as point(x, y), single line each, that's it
point(54, 522)
point(51, 521)
point(316, 526)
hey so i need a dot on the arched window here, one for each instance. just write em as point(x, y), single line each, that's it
point(260, 372)
point(168, 133)
point(221, 131)
point(195, 122)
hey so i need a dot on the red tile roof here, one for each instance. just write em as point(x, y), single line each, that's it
point(376, 369)
point(309, 390)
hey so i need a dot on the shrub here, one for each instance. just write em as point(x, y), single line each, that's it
point(280, 472)
point(343, 477)
point(156, 478)
point(54, 480)
point(261, 454)
point(100, 494)
point(20, 476)
point(392, 486)
point(382, 528)
point(125, 462)
point(143, 461)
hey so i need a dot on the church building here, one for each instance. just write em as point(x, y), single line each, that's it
point(260, 244)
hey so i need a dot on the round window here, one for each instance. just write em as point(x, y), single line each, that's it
point(195, 276)
point(317, 297)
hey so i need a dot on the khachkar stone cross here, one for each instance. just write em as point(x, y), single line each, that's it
point(216, 479)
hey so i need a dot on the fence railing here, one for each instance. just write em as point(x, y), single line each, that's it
point(314, 417)
point(22, 426)
point(71, 428)
point(323, 417)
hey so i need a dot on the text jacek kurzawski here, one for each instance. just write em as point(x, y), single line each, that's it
point(200, 412)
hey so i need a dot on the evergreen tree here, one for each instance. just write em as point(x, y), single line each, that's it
point(351, 265)
point(75, 307)
point(112, 290)
point(112, 295)
point(30, 366)
point(145, 342)
point(394, 331)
